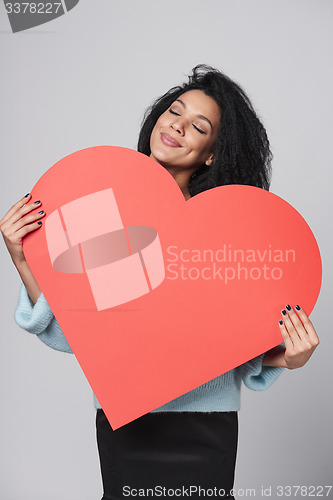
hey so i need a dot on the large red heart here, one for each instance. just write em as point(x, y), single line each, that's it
point(233, 257)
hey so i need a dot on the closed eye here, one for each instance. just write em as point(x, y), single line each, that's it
point(196, 128)
point(199, 130)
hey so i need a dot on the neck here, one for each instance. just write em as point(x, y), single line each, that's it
point(182, 177)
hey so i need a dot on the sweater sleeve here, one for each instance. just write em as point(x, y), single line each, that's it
point(39, 319)
point(258, 377)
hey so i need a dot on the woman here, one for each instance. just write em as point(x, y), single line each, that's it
point(206, 134)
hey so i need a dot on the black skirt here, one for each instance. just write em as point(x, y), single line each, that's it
point(176, 451)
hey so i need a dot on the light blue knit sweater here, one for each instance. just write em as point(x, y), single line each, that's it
point(219, 394)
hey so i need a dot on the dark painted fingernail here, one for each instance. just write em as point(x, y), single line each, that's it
point(26, 196)
point(284, 312)
point(280, 321)
point(288, 307)
point(40, 222)
point(297, 307)
point(36, 202)
point(41, 213)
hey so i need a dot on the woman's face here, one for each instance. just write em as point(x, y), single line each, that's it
point(185, 134)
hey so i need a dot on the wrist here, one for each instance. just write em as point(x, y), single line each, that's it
point(19, 263)
point(28, 280)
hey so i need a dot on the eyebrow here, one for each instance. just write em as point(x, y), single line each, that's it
point(199, 116)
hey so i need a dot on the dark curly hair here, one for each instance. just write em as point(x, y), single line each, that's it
point(241, 153)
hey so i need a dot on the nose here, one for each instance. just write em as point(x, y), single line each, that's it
point(178, 125)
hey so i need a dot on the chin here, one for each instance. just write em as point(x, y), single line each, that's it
point(161, 162)
point(161, 158)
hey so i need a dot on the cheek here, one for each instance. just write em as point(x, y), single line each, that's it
point(200, 145)
point(153, 135)
point(157, 127)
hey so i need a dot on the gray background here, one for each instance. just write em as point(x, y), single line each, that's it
point(84, 80)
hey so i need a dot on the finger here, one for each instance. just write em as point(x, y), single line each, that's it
point(290, 328)
point(20, 213)
point(285, 335)
point(308, 326)
point(28, 229)
point(15, 207)
point(298, 325)
point(26, 220)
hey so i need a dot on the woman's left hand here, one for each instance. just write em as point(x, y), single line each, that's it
point(299, 336)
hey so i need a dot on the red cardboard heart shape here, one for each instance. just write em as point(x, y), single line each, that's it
point(157, 295)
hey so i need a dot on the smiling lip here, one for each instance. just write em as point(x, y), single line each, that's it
point(169, 141)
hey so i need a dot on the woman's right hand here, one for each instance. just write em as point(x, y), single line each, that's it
point(17, 223)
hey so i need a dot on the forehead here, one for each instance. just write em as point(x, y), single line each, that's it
point(198, 102)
